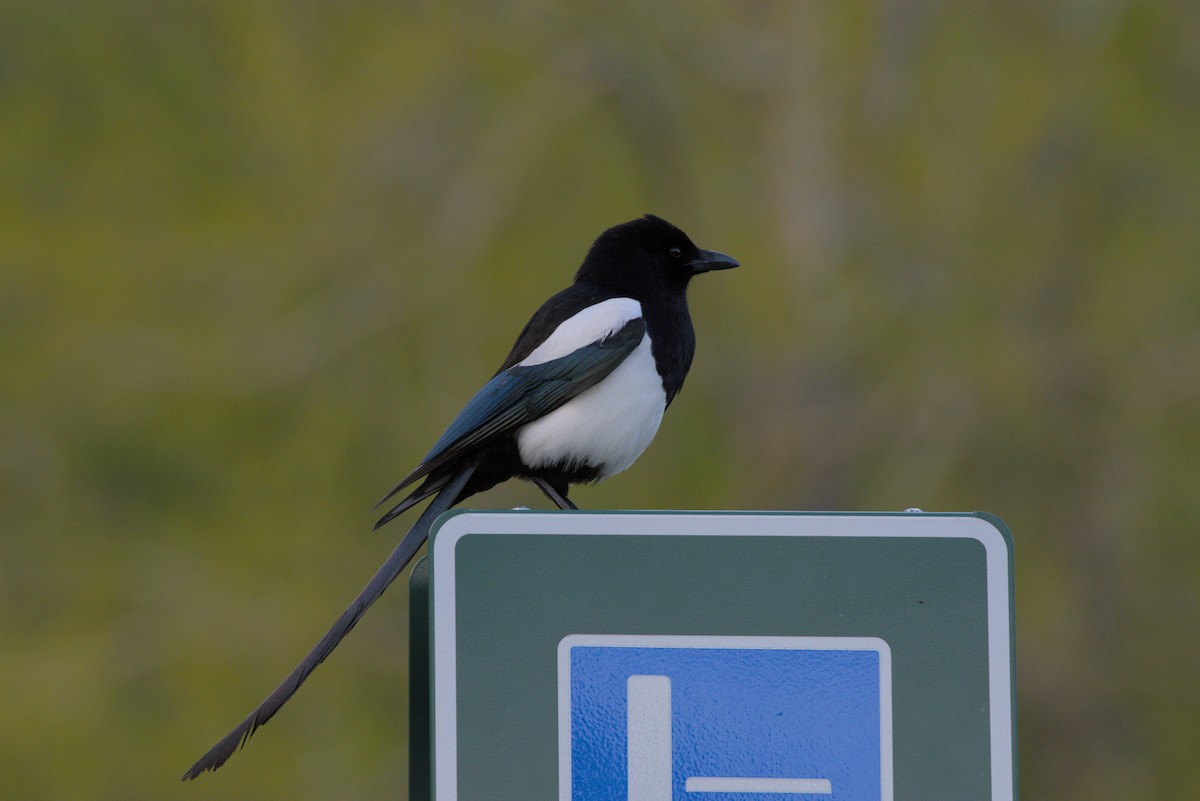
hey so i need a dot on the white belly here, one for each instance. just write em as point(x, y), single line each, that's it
point(607, 426)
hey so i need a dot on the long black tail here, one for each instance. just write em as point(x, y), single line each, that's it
point(219, 753)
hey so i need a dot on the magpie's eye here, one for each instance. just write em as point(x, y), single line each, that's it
point(675, 253)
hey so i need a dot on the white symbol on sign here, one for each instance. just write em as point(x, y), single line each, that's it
point(649, 752)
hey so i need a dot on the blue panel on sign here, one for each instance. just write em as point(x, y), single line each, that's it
point(648, 718)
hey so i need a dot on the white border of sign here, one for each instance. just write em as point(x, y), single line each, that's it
point(875, 644)
point(444, 718)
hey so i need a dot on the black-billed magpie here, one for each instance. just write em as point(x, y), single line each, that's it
point(578, 399)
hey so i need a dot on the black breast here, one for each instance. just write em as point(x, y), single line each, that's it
point(672, 340)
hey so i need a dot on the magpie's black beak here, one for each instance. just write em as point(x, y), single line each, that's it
point(711, 260)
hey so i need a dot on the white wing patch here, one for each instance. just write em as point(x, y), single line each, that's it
point(590, 325)
point(607, 426)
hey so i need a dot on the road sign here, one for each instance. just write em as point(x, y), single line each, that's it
point(716, 657)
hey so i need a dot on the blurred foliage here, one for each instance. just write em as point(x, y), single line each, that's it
point(253, 257)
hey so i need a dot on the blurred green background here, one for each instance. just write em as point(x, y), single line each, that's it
point(254, 256)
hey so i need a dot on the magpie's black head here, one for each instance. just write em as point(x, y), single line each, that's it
point(647, 254)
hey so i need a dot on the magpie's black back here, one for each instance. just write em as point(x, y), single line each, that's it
point(632, 260)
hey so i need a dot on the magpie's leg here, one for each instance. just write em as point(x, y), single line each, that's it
point(559, 498)
point(386, 574)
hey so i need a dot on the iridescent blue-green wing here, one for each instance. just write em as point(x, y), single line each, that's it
point(521, 394)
